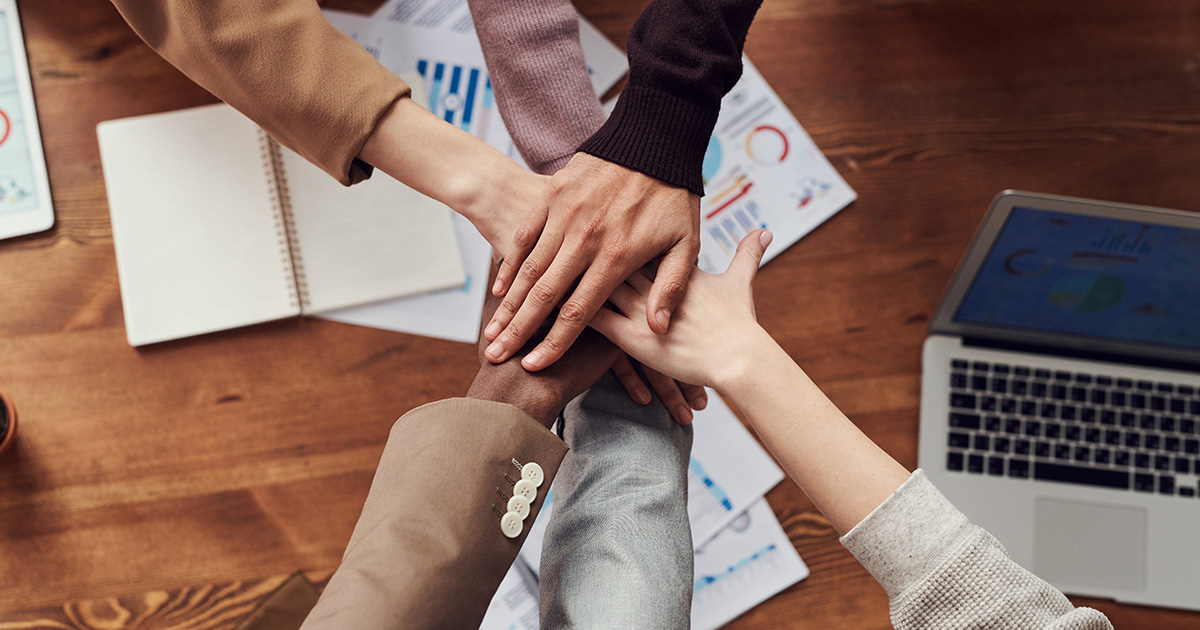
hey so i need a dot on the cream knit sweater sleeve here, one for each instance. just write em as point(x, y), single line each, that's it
point(942, 572)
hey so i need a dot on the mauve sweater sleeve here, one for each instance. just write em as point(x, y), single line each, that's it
point(539, 77)
point(283, 65)
point(684, 55)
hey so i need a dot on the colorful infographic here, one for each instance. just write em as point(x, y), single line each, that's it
point(17, 189)
point(762, 170)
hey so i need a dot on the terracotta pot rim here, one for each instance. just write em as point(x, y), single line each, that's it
point(6, 440)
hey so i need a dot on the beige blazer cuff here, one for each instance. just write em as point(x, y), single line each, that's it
point(428, 550)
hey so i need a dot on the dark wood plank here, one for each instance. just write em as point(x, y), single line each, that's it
point(162, 487)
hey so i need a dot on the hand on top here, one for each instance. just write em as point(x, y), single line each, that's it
point(597, 224)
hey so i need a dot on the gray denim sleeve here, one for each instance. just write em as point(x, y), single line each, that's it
point(618, 549)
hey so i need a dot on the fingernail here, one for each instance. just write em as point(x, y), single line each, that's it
point(663, 316)
point(765, 238)
point(496, 288)
point(683, 414)
point(642, 397)
point(534, 360)
point(492, 331)
point(495, 351)
point(699, 403)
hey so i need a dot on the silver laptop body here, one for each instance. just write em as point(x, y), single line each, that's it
point(1060, 403)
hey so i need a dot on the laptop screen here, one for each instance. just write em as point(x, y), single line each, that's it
point(1092, 277)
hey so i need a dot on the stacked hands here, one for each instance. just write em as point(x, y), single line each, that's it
point(645, 296)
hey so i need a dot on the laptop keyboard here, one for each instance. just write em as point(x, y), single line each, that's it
point(1089, 429)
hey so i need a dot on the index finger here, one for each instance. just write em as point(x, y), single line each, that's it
point(593, 290)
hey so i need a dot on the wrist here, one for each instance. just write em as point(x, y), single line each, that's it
point(741, 366)
point(539, 403)
point(497, 200)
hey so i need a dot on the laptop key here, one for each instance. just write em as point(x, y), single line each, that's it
point(959, 440)
point(1042, 449)
point(1058, 392)
point(1112, 437)
point(1021, 447)
point(954, 461)
point(965, 420)
point(1143, 482)
point(1008, 405)
point(995, 466)
point(1119, 399)
point(1001, 444)
point(1020, 388)
point(1178, 405)
point(1151, 441)
point(1018, 468)
point(959, 364)
point(980, 366)
point(1148, 421)
point(979, 383)
point(1079, 394)
point(1185, 491)
point(1128, 419)
point(1121, 458)
point(1000, 368)
point(963, 401)
point(1171, 444)
point(1062, 451)
point(1071, 433)
point(1132, 439)
point(1099, 396)
point(987, 403)
point(1187, 425)
point(1166, 423)
point(1166, 484)
point(1083, 454)
point(1087, 414)
point(1012, 426)
point(1062, 376)
point(1040, 373)
point(1191, 445)
point(1049, 411)
point(1067, 412)
point(1102, 456)
point(991, 424)
point(1108, 417)
point(1124, 383)
point(1183, 465)
point(1162, 462)
point(1053, 430)
point(982, 443)
point(1158, 403)
point(1038, 389)
point(999, 385)
point(1028, 408)
point(1141, 460)
point(1046, 471)
point(958, 380)
point(1021, 370)
point(1033, 428)
point(975, 463)
point(1091, 435)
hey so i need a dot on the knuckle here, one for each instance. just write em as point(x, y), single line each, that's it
point(507, 308)
point(524, 237)
point(514, 332)
point(572, 313)
point(593, 230)
point(531, 269)
point(553, 345)
point(673, 291)
point(541, 295)
point(616, 255)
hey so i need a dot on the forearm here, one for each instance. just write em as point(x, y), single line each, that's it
point(452, 166)
point(844, 473)
point(281, 64)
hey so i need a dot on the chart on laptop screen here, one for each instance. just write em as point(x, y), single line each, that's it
point(17, 189)
point(1090, 276)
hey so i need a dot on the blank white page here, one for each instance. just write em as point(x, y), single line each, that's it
point(193, 225)
point(373, 241)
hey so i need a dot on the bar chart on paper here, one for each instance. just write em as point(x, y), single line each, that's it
point(462, 96)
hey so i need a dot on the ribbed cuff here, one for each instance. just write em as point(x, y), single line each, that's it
point(658, 134)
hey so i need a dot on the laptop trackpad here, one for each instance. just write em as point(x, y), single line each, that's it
point(1087, 544)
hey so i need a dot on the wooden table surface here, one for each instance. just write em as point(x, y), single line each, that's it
point(168, 487)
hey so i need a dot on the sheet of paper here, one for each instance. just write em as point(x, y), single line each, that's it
point(762, 170)
point(729, 470)
point(360, 28)
point(743, 566)
point(454, 314)
point(515, 604)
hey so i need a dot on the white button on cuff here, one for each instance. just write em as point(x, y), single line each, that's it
point(520, 506)
point(533, 472)
point(525, 488)
point(511, 524)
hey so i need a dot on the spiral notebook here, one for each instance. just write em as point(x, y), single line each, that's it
point(217, 226)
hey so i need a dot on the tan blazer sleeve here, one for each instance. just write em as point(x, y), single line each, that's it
point(280, 63)
point(428, 550)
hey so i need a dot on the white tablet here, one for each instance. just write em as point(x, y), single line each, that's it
point(24, 187)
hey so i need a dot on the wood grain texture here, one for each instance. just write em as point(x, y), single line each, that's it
point(170, 487)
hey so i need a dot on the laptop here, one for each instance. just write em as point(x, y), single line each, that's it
point(1060, 402)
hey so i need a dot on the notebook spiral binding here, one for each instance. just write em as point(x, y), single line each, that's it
point(285, 228)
